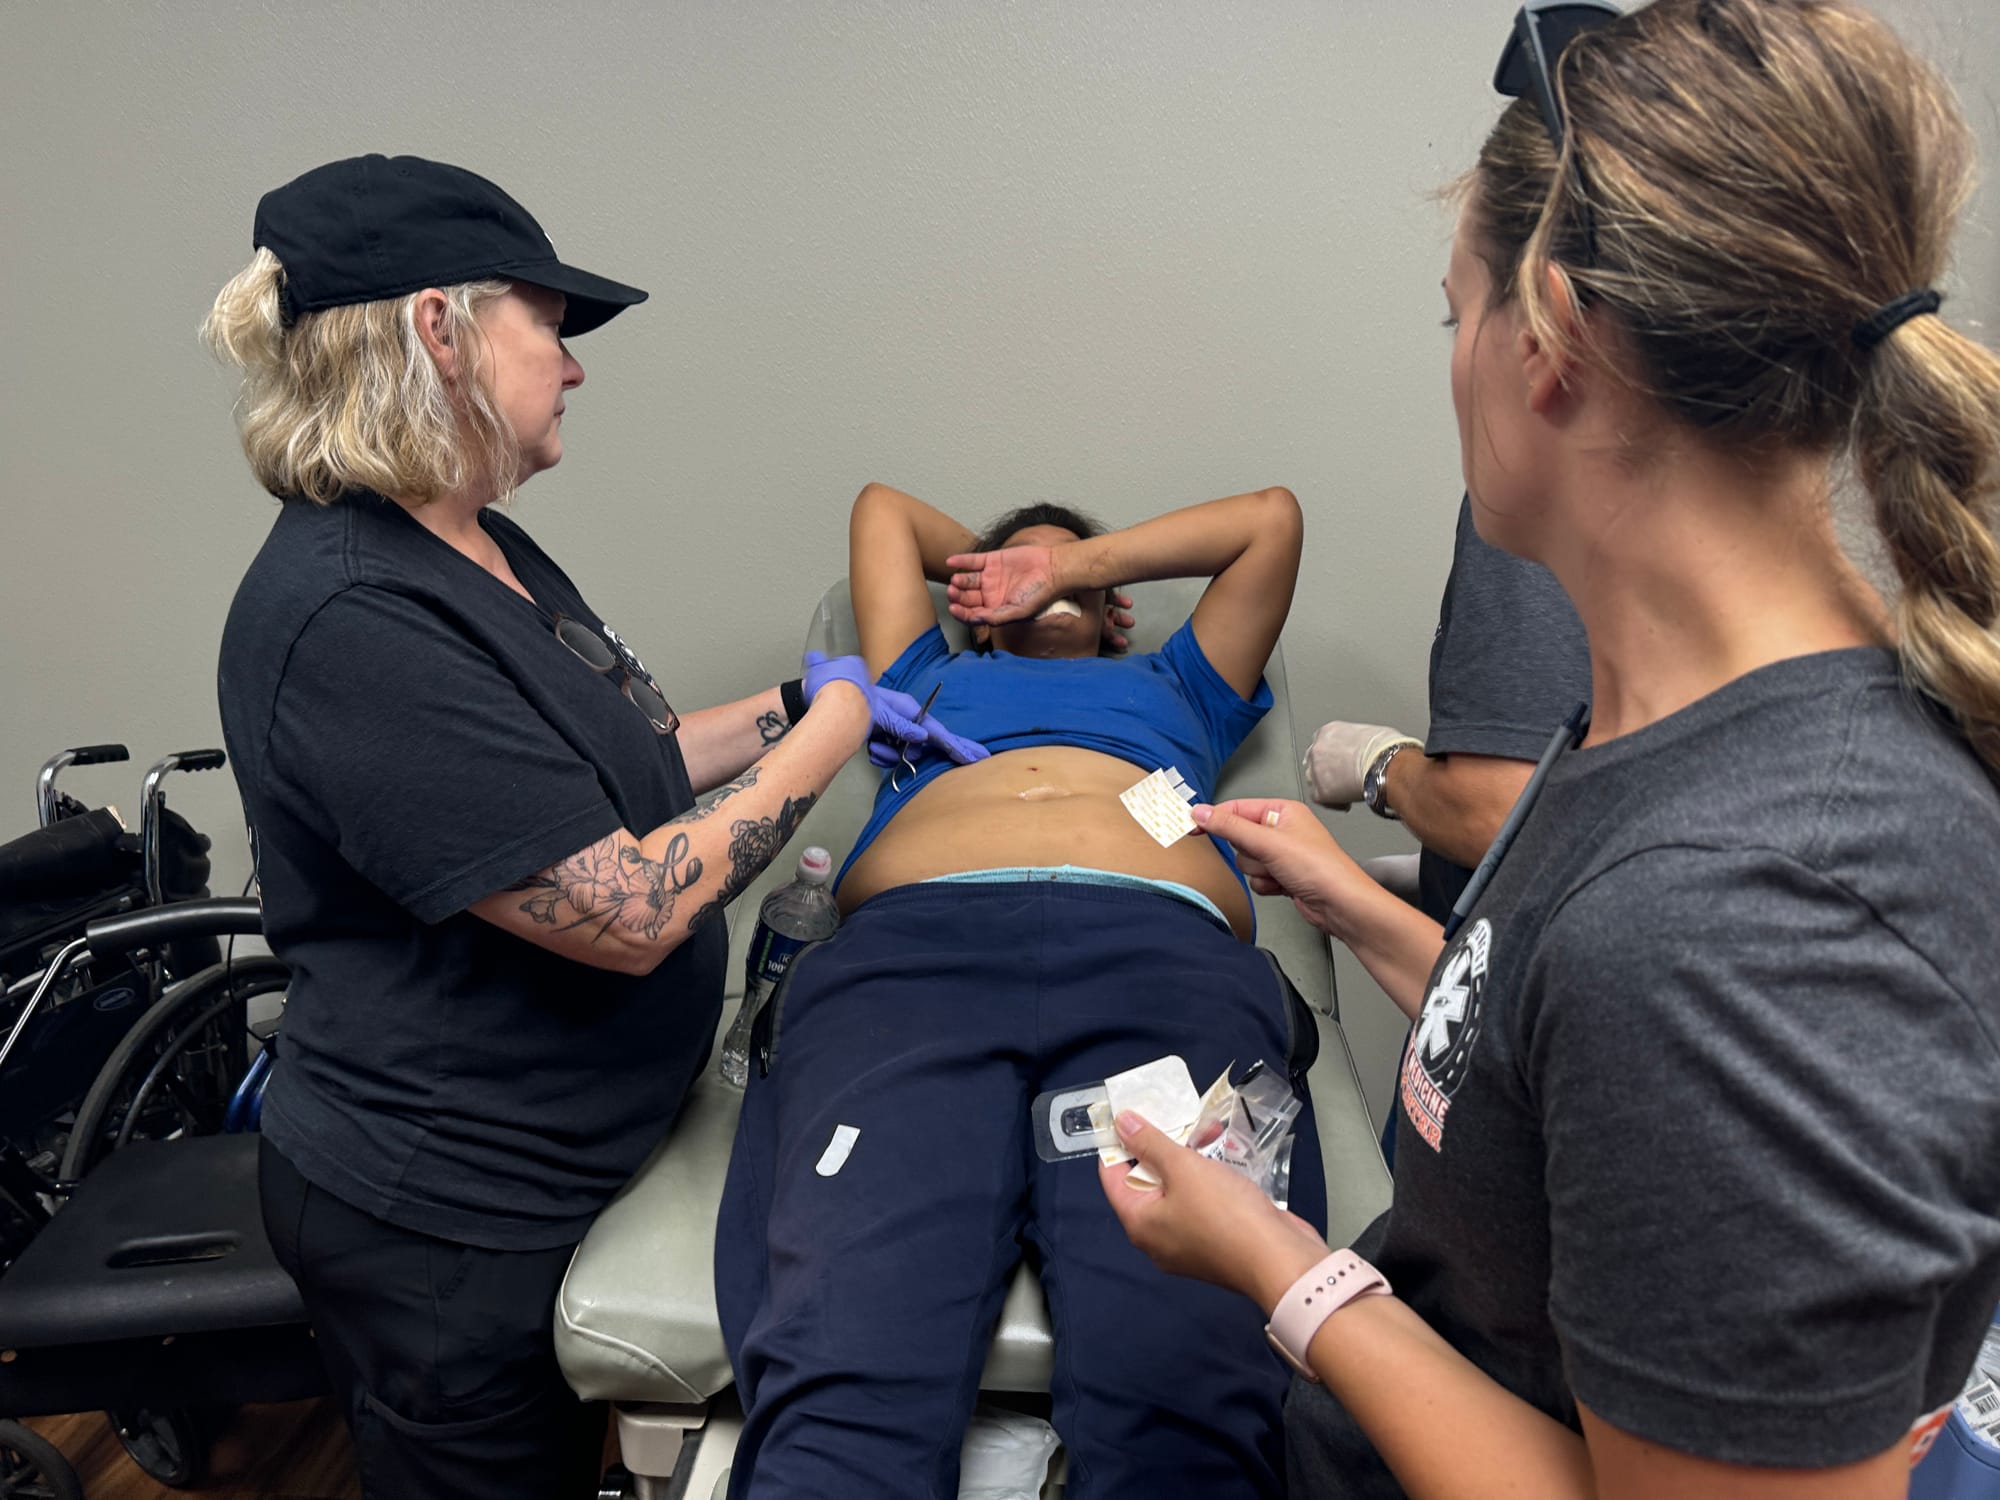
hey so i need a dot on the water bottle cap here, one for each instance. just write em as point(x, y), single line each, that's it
point(815, 866)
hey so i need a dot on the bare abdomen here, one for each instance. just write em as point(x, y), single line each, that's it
point(1053, 805)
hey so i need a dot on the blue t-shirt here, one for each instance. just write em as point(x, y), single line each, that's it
point(1165, 708)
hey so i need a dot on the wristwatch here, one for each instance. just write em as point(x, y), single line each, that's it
point(1315, 1297)
point(1374, 784)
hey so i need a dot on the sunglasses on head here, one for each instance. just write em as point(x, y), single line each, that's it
point(606, 653)
point(1542, 29)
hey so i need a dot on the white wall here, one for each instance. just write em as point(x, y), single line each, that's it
point(1121, 254)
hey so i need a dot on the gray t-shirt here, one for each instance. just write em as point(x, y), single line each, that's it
point(1701, 1120)
point(1508, 662)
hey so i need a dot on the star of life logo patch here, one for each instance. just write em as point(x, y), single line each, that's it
point(1924, 1433)
point(1440, 1050)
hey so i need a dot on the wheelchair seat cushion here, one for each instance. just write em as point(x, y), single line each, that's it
point(163, 1238)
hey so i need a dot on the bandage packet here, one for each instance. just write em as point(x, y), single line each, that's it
point(1246, 1125)
point(1160, 804)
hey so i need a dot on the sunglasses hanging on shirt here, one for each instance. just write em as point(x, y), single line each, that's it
point(607, 653)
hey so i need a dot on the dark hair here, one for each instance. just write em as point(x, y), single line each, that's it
point(1744, 182)
point(1041, 513)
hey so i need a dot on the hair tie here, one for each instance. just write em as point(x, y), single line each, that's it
point(1887, 318)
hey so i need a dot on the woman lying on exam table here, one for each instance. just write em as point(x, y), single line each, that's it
point(1700, 1184)
point(979, 966)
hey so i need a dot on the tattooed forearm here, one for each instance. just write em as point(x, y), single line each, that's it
point(753, 843)
point(612, 885)
point(771, 727)
point(721, 795)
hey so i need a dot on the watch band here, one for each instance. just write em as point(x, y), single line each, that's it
point(1375, 782)
point(1315, 1297)
point(792, 693)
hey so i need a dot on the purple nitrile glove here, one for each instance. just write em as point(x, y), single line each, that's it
point(954, 747)
point(895, 714)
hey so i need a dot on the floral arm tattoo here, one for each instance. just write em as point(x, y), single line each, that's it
point(772, 727)
point(612, 885)
point(615, 885)
point(753, 843)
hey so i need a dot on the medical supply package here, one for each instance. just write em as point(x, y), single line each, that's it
point(1246, 1124)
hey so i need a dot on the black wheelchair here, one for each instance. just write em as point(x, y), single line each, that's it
point(134, 1272)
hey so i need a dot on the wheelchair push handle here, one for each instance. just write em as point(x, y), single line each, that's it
point(154, 926)
point(152, 800)
point(55, 765)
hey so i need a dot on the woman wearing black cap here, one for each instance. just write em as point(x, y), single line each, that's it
point(474, 815)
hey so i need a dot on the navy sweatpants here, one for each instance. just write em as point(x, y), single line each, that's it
point(858, 1298)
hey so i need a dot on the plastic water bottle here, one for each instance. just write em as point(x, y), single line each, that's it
point(792, 916)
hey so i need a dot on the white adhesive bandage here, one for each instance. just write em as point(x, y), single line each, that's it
point(1163, 1094)
point(1061, 609)
point(1160, 803)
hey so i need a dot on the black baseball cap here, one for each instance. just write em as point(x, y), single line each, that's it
point(373, 227)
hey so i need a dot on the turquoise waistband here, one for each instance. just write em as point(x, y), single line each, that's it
point(1082, 875)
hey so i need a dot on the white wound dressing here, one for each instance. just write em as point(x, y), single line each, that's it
point(1162, 1093)
point(1160, 804)
point(837, 1150)
point(1061, 609)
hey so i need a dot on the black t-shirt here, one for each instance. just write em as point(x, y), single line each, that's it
point(1700, 1125)
point(1508, 663)
point(410, 736)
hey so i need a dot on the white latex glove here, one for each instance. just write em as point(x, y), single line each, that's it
point(1339, 757)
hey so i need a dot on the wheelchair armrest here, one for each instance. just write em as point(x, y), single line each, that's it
point(150, 926)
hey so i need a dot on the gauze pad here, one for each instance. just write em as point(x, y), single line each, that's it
point(1061, 609)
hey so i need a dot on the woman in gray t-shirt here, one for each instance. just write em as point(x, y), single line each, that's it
point(1699, 1189)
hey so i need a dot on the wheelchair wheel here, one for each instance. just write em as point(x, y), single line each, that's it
point(33, 1468)
point(174, 1071)
point(169, 1443)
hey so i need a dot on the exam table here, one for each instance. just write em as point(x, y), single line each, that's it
point(636, 1321)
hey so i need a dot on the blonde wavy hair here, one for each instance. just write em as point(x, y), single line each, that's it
point(1744, 181)
point(348, 398)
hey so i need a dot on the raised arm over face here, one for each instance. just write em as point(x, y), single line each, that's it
point(1247, 545)
point(896, 544)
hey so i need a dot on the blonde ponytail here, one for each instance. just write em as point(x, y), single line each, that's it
point(1927, 446)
